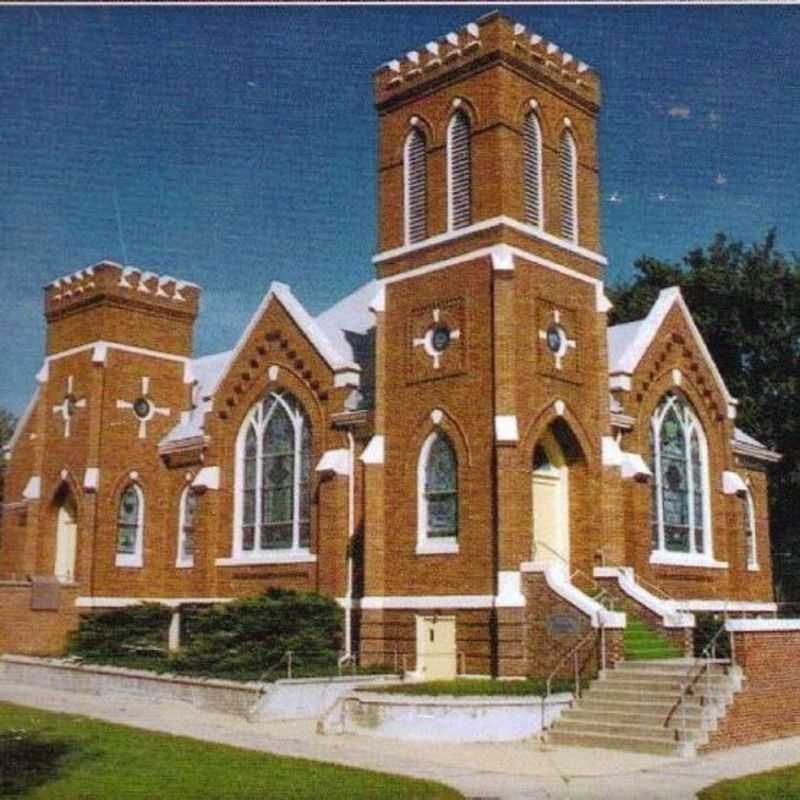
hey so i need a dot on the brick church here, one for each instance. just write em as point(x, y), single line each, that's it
point(459, 451)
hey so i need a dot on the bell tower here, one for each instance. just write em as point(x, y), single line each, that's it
point(486, 135)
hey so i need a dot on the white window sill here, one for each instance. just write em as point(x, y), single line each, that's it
point(434, 547)
point(184, 564)
point(274, 557)
point(125, 560)
point(671, 559)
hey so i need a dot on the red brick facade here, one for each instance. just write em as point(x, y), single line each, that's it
point(374, 392)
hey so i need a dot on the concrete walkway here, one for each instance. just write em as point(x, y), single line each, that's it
point(508, 771)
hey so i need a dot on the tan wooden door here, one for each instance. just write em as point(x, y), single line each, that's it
point(436, 648)
point(66, 544)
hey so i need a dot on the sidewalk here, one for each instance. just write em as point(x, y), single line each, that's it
point(511, 771)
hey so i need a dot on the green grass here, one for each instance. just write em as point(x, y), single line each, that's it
point(777, 784)
point(100, 761)
point(474, 687)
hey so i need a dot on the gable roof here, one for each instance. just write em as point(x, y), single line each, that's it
point(351, 314)
point(628, 342)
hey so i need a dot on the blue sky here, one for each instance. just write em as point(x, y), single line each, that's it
point(236, 145)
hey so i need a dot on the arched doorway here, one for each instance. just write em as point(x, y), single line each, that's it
point(66, 537)
point(550, 479)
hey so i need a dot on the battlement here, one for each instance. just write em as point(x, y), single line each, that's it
point(492, 35)
point(107, 277)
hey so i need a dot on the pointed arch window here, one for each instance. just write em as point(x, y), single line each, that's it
point(749, 510)
point(680, 513)
point(130, 527)
point(459, 172)
point(186, 527)
point(568, 185)
point(437, 477)
point(273, 479)
point(416, 186)
point(532, 169)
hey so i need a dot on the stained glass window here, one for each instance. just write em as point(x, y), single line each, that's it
point(678, 513)
point(274, 476)
point(441, 489)
point(189, 511)
point(128, 520)
point(750, 529)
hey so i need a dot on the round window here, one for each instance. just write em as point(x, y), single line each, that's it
point(440, 338)
point(556, 338)
point(141, 407)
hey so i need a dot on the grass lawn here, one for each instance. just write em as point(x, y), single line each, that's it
point(47, 756)
point(473, 687)
point(777, 784)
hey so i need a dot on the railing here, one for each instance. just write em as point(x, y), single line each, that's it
point(573, 654)
point(289, 658)
point(702, 666)
point(649, 585)
point(601, 594)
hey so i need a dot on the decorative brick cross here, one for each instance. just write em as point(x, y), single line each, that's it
point(69, 405)
point(557, 340)
point(144, 409)
point(437, 338)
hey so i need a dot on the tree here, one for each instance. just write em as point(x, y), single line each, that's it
point(7, 424)
point(746, 303)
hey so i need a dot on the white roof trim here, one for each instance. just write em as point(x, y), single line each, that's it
point(91, 479)
point(336, 461)
point(634, 466)
point(647, 329)
point(23, 421)
point(304, 321)
point(207, 478)
point(505, 428)
point(33, 488)
point(611, 453)
point(374, 451)
point(732, 483)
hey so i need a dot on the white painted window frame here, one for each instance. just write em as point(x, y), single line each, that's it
point(182, 561)
point(134, 559)
point(689, 424)
point(259, 555)
point(573, 146)
point(751, 542)
point(431, 545)
point(539, 177)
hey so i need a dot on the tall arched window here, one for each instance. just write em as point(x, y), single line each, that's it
point(437, 477)
point(749, 511)
point(130, 527)
point(532, 169)
point(459, 172)
point(568, 185)
point(680, 509)
point(273, 478)
point(416, 184)
point(186, 531)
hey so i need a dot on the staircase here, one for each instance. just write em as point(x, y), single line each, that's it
point(644, 644)
point(626, 708)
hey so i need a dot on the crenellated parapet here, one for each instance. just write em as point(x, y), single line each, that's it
point(493, 36)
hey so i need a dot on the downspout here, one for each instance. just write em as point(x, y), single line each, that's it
point(351, 515)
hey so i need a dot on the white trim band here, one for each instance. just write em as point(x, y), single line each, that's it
point(761, 625)
point(122, 602)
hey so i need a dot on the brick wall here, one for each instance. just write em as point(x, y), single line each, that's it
point(768, 707)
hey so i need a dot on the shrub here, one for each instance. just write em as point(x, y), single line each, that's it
point(123, 633)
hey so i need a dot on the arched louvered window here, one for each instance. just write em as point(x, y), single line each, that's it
point(130, 527)
point(568, 186)
point(680, 509)
point(532, 169)
point(186, 522)
point(459, 172)
point(416, 186)
point(273, 478)
point(437, 477)
point(749, 509)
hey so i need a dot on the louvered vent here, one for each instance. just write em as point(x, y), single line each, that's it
point(416, 187)
point(532, 177)
point(568, 159)
point(460, 172)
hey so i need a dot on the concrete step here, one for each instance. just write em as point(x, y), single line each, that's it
point(663, 684)
point(628, 730)
point(637, 672)
point(694, 720)
point(636, 744)
point(680, 665)
point(652, 709)
point(607, 693)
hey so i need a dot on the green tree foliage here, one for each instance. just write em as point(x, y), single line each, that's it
point(746, 303)
point(7, 424)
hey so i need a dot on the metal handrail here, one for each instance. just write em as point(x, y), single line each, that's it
point(602, 592)
point(703, 661)
point(573, 652)
point(641, 581)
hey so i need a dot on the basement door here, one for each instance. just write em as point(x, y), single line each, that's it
point(436, 648)
point(66, 543)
